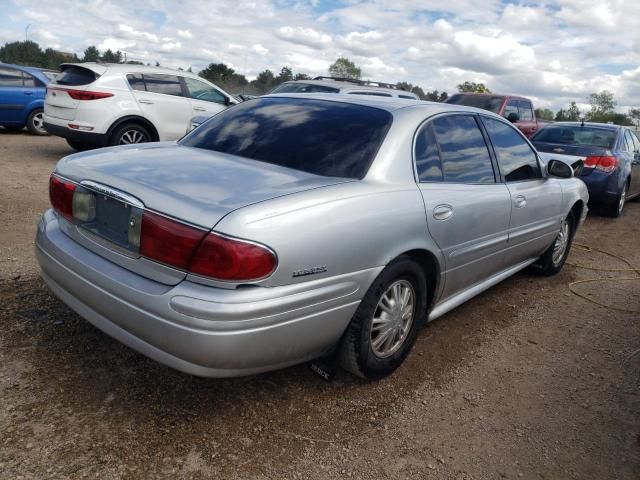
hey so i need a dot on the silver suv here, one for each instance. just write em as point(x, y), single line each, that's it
point(344, 85)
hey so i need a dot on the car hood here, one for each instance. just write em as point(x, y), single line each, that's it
point(195, 185)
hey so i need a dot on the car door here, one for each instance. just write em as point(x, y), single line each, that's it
point(536, 200)
point(162, 101)
point(13, 96)
point(634, 188)
point(467, 210)
point(205, 99)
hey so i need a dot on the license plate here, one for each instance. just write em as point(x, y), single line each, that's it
point(116, 221)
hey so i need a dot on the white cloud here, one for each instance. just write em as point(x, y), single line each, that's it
point(552, 50)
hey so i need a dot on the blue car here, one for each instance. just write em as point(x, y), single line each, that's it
point(611, 157)
point(22, 92)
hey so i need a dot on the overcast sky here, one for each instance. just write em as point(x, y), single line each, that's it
point(554, 51)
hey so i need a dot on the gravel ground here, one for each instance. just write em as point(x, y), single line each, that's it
point(527, 380)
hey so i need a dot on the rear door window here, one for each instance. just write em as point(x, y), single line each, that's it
point(511, 107)
point(29, 81)
point(10, 77)
point(525, 110)
point(165, 84)
point(332, 139)
point(629, 141)
point(74, 75)
point(427, 155)
point(516, 158)
point(636, 142)
point(463, 151)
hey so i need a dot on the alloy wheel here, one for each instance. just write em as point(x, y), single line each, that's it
point(129, 137)
point(623, 196)
point(38, 122)
point(392, 319)
point(562, 241)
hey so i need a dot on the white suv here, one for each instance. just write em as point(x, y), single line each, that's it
point(95, 104)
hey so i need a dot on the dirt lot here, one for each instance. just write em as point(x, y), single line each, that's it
point(527, 380)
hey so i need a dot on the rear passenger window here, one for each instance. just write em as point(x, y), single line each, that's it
point(165, 84)
point(517, 160)
point(10, 77)
point(636, 142)
point(427, 156)
point(136, 81)
point(629, 141)
point(525, 110)
point(29, 81)
point(463, 151)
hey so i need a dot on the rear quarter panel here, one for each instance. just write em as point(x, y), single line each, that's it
point(345, 228)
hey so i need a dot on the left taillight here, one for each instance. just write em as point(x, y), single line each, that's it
point(61, 195)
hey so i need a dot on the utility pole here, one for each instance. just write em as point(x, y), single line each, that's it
point(26, 33)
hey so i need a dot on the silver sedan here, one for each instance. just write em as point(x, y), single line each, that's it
point(290, 225)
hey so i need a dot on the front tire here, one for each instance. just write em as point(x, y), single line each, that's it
point(35, 123)
point(130, 133)
point(553, 259)
point(386, 323)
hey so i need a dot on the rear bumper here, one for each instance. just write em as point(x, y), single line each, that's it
point(603, 187)
point(200, 330)
point(87, 138)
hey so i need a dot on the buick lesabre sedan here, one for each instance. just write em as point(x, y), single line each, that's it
point(291, 225)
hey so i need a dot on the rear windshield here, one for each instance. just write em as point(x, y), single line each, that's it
point(484, 102)
point(576, 135)
point(76, 76)
point(325, 138)
point(303, 88)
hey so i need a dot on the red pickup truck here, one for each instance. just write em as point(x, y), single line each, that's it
point(518, 110)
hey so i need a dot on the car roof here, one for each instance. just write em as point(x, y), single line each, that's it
point(390, 104)
point(344, 85)
point(499, 95)
point(127, 68)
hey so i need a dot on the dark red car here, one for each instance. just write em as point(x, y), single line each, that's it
point(518, 110)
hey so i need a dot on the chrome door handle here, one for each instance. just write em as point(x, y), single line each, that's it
point(520, 201)
point(144, 100)
point(200, 109)
point(442, 212)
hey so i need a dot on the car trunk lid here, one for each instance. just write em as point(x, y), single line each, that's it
point(194, 185)
point(570, 154)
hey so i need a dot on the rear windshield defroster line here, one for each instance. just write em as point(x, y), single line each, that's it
point(332, 139)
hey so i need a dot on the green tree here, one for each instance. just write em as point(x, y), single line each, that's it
point(544, 114)
point(91, 54)
point(22, 53)
point(285, 75)
point(573, 112)
point(301, 76)
point(264, 82)
point(602, 105)
point(345, 68)
point(110, 57)
point(634, 114)
point(472, 87)
point(436, 96)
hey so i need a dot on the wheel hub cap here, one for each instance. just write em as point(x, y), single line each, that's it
point(560, 247)
point(392, 319)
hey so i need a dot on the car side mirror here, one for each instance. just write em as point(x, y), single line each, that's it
point(559, 169)
point(513, 117)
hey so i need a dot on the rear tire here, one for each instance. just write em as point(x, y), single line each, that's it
point(130, 133)
point(35, 123)
point(552, 261)
point(79, 146)
point(386, 323)
point(615, 209)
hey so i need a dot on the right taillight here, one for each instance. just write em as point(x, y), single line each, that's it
point(605, 163)
point(232, 259)
point(203, 253)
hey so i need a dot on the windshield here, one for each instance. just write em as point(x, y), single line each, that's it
point(484, 102)
point(576, 135)
point(325, 138)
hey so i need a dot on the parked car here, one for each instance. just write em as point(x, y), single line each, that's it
point(295, 223)
point(344, 85)
point(95, 105)
point(610, 154)
point(518, 110)
point(22, 91)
